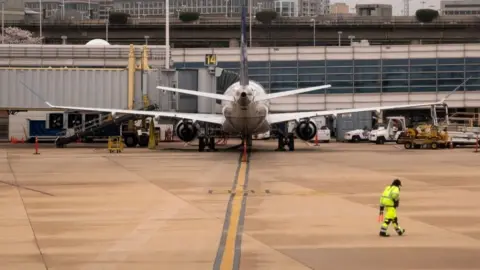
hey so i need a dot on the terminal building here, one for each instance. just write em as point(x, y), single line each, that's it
point(359, 75)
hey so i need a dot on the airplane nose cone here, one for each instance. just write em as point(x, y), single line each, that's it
point(243, 94)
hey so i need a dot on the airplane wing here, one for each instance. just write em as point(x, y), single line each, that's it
point(284, 117)
point(291, 92)
point(209, 118)
point(258, 98)
point(196, 93)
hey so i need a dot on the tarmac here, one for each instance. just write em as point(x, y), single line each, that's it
point(82, 207)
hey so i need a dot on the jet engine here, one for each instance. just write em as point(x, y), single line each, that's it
point(306, 130)
point(186, 131)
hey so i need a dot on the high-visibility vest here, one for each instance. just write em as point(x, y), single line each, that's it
point(389, 195)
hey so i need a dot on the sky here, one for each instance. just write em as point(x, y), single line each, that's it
point(396, 4)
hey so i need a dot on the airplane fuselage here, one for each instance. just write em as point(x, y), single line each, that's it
point(245, 115)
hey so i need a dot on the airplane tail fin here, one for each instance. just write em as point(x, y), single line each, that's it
point(243, 49)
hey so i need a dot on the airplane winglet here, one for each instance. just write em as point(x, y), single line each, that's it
point(454, 90)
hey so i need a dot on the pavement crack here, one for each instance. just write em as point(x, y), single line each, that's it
point(26, 212)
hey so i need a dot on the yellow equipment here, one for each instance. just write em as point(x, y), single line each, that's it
point(425, 135)
point(115, 144)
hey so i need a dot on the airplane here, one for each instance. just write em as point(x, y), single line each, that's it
point(245, 109)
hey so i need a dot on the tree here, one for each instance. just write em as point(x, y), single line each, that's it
point(426, 15)
point(15, 35)
point(266, 16)
point(189, 16)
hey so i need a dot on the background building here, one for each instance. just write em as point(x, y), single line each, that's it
point(287, 8)
point(460, 7)
point(374, 10)
point(312, 8)
point(77, 9)
point(14, 10)
point(211, 7)
point(339, 8)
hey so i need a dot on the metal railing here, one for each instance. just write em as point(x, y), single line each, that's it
point(235, 21)
point(156, 52)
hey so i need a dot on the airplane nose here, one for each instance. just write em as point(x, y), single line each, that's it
point(243, 94)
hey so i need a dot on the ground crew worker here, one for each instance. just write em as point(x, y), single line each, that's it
point(389, 201)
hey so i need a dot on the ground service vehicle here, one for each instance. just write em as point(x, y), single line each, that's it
point(390, 133)
point(357, 135)
point(428, 136)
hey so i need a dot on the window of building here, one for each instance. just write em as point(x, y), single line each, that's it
point(286, 71)
point(367, 77)
point(311, 77)
point(367, 70)
point(395, 62)
point(258, 71)
point(311, 70)
point(283, 64)
point(390, 83)
point(339, 77)
point(334, 70)
point(430, 75)
point(423, 69)
point(362, 62)
point(395, 69)
point(283, 78)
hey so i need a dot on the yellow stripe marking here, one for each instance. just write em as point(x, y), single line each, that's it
point(229, 250)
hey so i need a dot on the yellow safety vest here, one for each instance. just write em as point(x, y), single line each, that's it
point(389, 195)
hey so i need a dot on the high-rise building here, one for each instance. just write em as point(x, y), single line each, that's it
point(314, 7)
point(13, 10)
point(287, 8)
point(460, 7)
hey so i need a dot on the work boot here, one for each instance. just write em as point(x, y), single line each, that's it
point(401, 231)
point(384, 234)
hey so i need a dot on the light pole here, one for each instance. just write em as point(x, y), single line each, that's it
point(63, 10)
point(250, 23)
point(351, 39)
point(314, 32)
point(226, 8)
point(339, 38)
point(106, 24)
point(3, 21)
point(167, 34)
point(41, 19)
point(138, 15)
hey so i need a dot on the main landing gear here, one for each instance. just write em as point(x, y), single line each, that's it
point(288, 141)
point(204, 142)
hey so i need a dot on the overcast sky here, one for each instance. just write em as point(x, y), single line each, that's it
point(397, 4)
